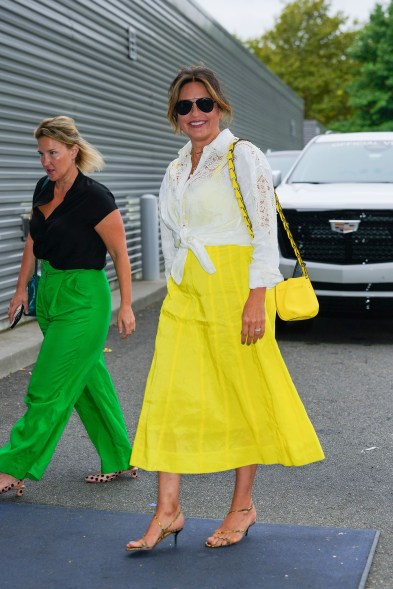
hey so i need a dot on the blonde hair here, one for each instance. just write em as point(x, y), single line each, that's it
point(208, 78)
point(63, 129)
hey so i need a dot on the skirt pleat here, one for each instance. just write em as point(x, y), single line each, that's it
point(211, 403)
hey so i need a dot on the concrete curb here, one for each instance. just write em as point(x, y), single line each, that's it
point(19, 347)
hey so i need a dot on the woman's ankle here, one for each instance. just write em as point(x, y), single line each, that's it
point(6, 476)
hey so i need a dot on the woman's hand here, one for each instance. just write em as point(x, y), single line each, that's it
point(25, 273)
point(19, 298)
point(125, 321)
point(253, 318)
point(111, 231)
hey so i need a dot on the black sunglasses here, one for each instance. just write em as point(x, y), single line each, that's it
point(183, 107)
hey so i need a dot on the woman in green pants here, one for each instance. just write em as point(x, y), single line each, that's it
point(74, 223)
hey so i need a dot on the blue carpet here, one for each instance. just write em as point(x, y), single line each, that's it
point(45, 547)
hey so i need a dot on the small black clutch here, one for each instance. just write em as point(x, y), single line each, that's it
point(17, 316)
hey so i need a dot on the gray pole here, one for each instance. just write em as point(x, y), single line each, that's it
point(149, 227)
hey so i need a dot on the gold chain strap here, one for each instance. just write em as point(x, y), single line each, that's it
point(240, 200)
point(236, 188)
point(290, 236)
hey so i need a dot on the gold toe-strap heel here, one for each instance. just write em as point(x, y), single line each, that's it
point(225, 534)
point(165, 532)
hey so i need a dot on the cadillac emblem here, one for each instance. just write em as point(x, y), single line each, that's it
point(344, 226)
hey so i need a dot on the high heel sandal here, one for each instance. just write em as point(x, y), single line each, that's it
point(17, 487)
point(107, 478)
point(224, 534)
point(165, 532)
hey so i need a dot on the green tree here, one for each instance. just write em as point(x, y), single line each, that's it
point(371, 91)
point(308, 50)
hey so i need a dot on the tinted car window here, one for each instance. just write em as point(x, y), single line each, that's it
point(282, 162)
point(346, 161)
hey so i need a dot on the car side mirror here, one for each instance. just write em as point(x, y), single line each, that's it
point(276, 178)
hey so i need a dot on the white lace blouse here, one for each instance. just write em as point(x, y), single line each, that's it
point(202, 209)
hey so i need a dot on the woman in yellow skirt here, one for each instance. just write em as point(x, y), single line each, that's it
point(218, 395)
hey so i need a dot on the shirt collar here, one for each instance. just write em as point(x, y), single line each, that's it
point(46, 194)
point(220, 145)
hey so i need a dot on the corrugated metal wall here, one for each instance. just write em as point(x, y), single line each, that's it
point(108, 64)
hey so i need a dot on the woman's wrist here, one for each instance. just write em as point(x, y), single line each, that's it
point(20, 289)
point(125, 304)
point(259, 291)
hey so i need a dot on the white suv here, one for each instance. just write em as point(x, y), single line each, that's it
point(338, 201)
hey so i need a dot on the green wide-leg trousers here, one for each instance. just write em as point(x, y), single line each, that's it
point(73, 311)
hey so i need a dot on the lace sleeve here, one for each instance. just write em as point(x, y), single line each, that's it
point(255, 181)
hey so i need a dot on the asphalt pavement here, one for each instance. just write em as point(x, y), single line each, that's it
point(343, 371)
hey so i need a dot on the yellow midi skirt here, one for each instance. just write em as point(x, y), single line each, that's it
point(211, 403)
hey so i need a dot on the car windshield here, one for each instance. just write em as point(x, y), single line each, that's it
point(345, 161)
point(282, 161)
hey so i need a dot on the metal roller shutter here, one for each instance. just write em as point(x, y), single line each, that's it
point(72, 57)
